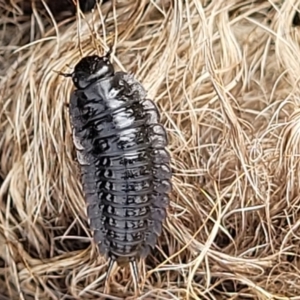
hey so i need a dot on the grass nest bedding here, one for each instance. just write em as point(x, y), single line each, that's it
point(225, 76)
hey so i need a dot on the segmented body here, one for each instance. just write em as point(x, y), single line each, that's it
point(126, 174)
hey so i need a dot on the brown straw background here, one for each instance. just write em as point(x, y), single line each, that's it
point(225, 76)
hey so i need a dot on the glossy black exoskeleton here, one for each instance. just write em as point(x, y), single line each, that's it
point(125, 167)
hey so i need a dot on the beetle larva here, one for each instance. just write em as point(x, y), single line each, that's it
point(125, 166)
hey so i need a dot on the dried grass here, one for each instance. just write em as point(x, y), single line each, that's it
point(225, 77)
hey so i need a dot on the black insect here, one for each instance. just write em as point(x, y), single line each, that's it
point(125, 167)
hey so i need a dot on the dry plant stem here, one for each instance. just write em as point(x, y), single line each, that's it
point(135, 276)
point(225, 75)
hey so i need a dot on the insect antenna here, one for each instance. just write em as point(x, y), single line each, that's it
point(63, 74)
point(109, 52)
